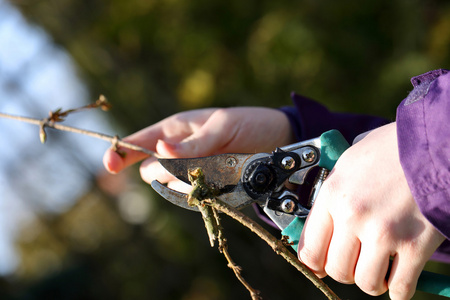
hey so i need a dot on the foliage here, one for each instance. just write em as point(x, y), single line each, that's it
point(152, 58)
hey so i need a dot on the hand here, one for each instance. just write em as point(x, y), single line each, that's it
point(200, 133)
point(363, 216)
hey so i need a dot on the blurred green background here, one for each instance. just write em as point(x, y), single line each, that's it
point(154, 58)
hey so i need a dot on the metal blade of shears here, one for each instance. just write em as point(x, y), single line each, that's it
point(172, 196)
point(238, 198)
point(222, 172)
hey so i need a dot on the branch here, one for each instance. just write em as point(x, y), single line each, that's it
point(210, 215)
point(58, 116)
point(276, 244)
point(202, 195)
point(223, 248)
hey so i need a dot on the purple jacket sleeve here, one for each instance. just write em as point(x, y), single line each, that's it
point(309, 120)
point(423, 131)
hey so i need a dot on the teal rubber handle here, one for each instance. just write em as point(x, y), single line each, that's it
point(333, 144)
point(294, 231)
point(434, 283)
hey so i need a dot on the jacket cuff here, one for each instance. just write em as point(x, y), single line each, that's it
point(309, 119)
point(424, 146)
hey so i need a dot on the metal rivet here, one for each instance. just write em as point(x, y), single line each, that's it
point(231, 162)
point(309, 155)
point(288, 163)
point(288, 206)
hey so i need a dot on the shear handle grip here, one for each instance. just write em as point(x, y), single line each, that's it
point(333, 144)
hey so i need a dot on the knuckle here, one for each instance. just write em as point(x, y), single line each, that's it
point(401, 290)
point(385, 231)
point(345, 203)
point(220, 113)
point(371, 287)
point(332, 185)
point(356, 208)
point(339, 275)
point(329, 192)
point(311, 259)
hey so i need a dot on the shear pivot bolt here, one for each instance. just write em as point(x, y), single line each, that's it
point(288, 163)
point(309, 155)
point(288, 206)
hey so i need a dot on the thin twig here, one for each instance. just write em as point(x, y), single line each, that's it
point(210, 216)
point(276, 244)
point(223, 248)
point(114, 140)
point(200, 191)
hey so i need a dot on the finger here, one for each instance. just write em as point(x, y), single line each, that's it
point(208, 139)
point(112, 161)
point(172, 130)
point(315, 239)
point(145, 138)
point(342, 256)
point(167, 149)
point(403, 278)
point(180, 186)
point(371, 269)
point(151, 170)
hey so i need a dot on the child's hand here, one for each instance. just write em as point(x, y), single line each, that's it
point(365, 214)
point(200, 133)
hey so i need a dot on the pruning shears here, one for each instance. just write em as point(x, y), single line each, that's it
point(267, 179)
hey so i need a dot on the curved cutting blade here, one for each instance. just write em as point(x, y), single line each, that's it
point(222, 171)
point(237, 198)
point(173, 196)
